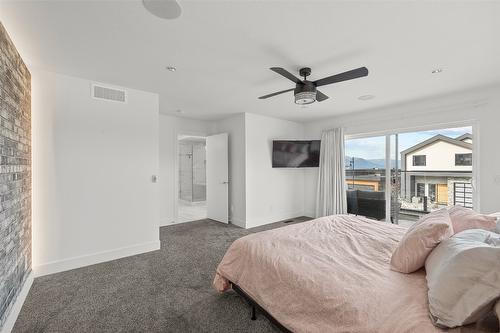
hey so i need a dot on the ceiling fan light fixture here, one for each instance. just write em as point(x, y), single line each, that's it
point(305, 97)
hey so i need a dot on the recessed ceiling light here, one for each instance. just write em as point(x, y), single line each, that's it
point(437, 70)
point(171, 68)
point(179, 111)
point(366, 97)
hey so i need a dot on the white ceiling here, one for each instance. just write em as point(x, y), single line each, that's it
point(223, 49)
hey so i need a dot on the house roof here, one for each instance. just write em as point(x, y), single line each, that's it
point(371, 177)
point(464, 136)
point(458, 142)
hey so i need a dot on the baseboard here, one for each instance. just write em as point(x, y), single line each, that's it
point(272, 219)
point(167, 221)
point(96, 258)
point(18, 304)
point(181, 222)
point(311, 214)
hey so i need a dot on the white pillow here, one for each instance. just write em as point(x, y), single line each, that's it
point(497, 215)
point(463, 277)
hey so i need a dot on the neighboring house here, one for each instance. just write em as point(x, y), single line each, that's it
point(438, 170)
point(366, 179)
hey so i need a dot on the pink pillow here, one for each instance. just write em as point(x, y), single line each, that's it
point(463, 218)
point(420, 239)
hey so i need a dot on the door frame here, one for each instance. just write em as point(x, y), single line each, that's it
point(176, 168)
point(438, 126)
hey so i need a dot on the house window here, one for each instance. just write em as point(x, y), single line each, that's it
point(432, 192)
point(419, 160)
point(420, 190)
point(463, 159)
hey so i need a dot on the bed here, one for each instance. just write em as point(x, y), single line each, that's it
point(330, 274)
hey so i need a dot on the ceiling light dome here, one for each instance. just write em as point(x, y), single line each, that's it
point(305, 97)
point(165, 9)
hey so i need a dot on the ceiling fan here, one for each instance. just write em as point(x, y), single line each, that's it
point(305, 91)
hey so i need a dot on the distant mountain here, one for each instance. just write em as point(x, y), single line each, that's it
point(381, 163)
point(361, 163)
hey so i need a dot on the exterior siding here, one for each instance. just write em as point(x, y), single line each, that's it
point(440, 156)
point(15, 174)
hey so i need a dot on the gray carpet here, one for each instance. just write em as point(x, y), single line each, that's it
point(162, 291)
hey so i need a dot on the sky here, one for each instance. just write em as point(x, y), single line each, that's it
point(374, 147)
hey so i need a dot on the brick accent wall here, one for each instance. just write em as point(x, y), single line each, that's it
point(15, 174)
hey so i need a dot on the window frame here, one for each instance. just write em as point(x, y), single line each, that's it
point(464, 159)
point(366, 132)
point(419, 193)
point(414, 160)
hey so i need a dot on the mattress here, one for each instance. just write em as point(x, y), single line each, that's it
point(330, 274)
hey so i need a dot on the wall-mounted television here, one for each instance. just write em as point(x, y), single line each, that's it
point(296, 153)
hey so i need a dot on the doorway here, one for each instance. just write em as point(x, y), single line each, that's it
point(192, 194)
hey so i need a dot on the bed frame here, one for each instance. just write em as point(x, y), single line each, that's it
point(255, 307)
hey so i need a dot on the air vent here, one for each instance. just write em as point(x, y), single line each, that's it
point(109, 94)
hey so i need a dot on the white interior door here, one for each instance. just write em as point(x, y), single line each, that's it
point(217, 178)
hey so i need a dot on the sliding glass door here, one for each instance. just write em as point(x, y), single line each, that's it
point(366, 176)
point(402, 176)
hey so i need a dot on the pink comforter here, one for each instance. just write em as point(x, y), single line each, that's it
point(329, 275)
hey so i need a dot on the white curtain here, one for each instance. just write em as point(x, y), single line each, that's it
point(331, 197)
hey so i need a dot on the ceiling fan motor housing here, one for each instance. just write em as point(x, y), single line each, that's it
point(305, 92)
point(305, 72)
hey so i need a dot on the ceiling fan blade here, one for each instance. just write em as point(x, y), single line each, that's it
point(276, 93)
point(320, 97)
point(286, 74)
point(349, 75)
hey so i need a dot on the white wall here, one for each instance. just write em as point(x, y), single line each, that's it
point(272, 194)
point(479, 106)
point(170, 128)
point(439, 156)
point(258, 194)
point(93, 197)
point(235, 127)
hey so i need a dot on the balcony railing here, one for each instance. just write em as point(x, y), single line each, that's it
point(413, 194)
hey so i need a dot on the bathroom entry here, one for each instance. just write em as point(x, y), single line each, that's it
point(192, 195)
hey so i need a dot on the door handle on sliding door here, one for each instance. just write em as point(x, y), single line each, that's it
point(224, 182)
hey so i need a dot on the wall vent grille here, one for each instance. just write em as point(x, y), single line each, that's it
point(109, 94)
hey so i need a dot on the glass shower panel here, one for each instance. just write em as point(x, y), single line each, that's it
point(185, 171)
point(192, 171)
point(199, 174)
